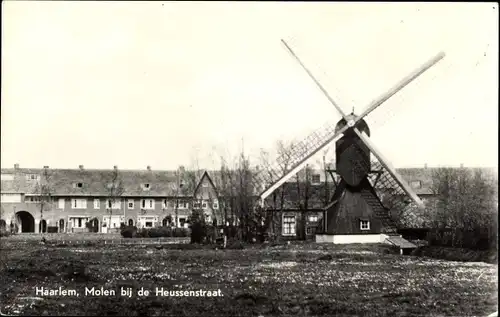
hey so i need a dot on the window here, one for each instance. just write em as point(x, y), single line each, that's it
point(146, 221)
point(196, 205)
point(183, 204)
point(60, 203)
point(113, 205)
point(164, 204)
point(182, 221)
point(313, 218)
point(32, 177)
point(215, 204)
point(79, 204)
point(364, 225)
point(78, 222)
point(147, 204)
point(204, 185)
point(207, 218)
point(310, 230)
point(288, 225)
point(204, 205)
point(77, 185)
point(97, 204)
point(32, 199)
point(416, 184)
point(130, 204)
point(146, 186)
point(316, 179)
point(7, 177)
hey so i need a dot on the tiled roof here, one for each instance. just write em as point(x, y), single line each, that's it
point(295, 195)
point(95, 182)
point(164, 183)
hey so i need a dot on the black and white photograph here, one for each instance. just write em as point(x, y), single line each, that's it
point(249, 158)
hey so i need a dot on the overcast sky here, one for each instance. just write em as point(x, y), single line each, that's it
point(164, 84)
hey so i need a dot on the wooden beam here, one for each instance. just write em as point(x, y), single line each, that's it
point(315, 81)
point(400, 85)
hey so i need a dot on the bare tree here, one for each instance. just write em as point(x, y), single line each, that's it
point(277, 199)
point(466, 201)
point(114, 191)
point(188, 181)
point(302, 202)
point(44, 191)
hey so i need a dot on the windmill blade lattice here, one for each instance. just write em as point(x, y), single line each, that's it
point(392, 196)
point(297, 153)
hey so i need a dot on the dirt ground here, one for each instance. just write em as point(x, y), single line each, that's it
point(291, 280)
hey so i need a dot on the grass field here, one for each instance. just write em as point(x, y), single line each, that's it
point(285, 280)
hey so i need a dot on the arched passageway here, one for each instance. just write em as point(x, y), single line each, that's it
point(25, 221)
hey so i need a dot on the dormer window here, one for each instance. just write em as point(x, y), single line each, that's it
point(78, 185)
point(146, 186)
point(32, 177)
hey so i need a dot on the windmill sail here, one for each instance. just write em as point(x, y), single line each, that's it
point(288, 164)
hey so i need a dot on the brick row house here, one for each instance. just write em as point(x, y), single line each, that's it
point(82, 200)
point(167, 198)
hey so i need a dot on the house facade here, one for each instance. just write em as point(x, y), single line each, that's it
point(82, 200)
point(300, 204)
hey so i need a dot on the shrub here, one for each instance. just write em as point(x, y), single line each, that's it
point(160, 232)
point(129, 232)
point(180, 232)
point(4, 233)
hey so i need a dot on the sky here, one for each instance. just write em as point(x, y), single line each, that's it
point(165, 84)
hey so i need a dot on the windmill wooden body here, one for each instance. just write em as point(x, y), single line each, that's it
point(356, 212)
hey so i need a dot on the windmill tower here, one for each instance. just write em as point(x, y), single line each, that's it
point(356, 212)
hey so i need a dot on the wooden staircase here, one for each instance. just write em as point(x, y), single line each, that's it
point(380, 211)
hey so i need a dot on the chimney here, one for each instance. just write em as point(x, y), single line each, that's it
point(115, 167)
point(461, 165)
point(181, 169)
point(425, 165)
point(16, 166)
point(80, 167)
point(45, 167)
point(149, 168)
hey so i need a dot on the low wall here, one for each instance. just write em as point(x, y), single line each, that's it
point(350, 238)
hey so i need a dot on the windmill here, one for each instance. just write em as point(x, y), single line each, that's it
point(357, 194)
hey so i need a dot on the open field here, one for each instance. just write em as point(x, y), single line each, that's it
point(294, 280)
